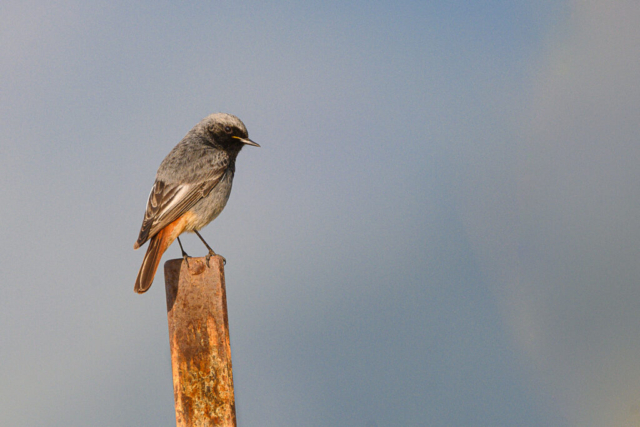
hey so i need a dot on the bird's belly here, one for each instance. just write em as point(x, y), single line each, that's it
point(209, 207)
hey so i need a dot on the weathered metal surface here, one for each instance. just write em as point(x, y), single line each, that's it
point(199, 339)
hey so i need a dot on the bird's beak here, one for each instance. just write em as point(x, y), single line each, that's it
point(247, 141)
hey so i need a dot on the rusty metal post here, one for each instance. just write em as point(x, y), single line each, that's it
point(199, 338)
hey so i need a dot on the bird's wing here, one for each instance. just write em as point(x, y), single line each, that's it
point(169, 201)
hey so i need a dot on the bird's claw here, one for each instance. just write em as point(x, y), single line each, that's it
point(210, 254)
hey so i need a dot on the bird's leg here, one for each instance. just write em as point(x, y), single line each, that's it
point(211, 252)
point(184, 254)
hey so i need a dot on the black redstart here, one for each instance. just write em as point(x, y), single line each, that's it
point(192, 187)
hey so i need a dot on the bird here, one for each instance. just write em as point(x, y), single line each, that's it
point(192, 186)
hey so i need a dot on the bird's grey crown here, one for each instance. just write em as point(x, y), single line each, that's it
point(215, 124)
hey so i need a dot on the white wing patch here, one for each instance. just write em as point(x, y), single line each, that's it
point(177, 198)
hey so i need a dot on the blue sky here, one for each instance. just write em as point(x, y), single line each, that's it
point(439, 229)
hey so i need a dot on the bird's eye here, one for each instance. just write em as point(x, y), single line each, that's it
point(227, 129)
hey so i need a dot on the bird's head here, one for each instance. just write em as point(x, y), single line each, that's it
point(226, 131)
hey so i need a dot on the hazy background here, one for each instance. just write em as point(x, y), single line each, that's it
point(440, 229)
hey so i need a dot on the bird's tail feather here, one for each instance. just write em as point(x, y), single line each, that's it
point(158, 244)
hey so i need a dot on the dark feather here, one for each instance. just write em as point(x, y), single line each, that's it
point(163, 208)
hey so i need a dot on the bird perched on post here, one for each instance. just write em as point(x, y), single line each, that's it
point(192, 187)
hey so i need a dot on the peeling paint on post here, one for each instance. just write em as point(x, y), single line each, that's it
point(199, 339)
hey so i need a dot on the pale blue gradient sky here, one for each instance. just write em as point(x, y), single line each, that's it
point(440, 227)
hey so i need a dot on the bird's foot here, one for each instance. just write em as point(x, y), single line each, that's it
point(186, 257)
point(210, 254)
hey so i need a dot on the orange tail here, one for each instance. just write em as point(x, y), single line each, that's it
point(158, 244)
